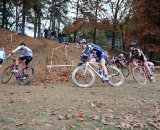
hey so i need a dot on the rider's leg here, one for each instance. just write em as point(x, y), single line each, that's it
point(28, 60)
point(147, 67)
point(144, 59)
point(1, 61)
point(93, 60)
point(102, 62)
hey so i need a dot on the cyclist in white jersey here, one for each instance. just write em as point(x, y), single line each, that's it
point(2, 56)
point(25, 55)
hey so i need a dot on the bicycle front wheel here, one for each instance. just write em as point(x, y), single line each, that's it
point(83, 77)
point(26, 76)
point(7, 74)
point(116, 76)
point(139, 75)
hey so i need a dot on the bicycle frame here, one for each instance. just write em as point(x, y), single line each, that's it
point(20, 62)
point(88, 65)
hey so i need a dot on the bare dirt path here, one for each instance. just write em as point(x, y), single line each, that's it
point(67, 107)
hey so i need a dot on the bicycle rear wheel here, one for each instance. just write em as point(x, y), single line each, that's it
point(125, 71)
point(26, 76)
point(139, 75)
point(7, 74)
point(116, 76)
point(83, 77)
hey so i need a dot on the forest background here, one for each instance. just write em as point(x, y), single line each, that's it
point(111, 23)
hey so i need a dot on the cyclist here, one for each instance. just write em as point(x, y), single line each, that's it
point(2, 56)
point(26, 54)
point(100, 56)
point(137, 53)
point(120, 60)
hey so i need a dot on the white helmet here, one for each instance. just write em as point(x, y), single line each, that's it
point(83, 41)
point(121, 55)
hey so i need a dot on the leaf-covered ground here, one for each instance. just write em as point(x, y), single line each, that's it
point(64, 106)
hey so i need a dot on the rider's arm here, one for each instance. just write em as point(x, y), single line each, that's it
point(15, 50)
point(130, 57)
point(18, 48)
point(86, 53)
point(139, 52)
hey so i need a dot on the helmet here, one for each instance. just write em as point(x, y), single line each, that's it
point(83, 41)
point(121, 55)
point(22, 44)
point(132, 44)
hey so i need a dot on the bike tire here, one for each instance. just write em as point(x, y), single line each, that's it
point(78, 72)
point(125, 71)
point(116, 77)
point(10, 73)
point(139, 75)
point(28, 77)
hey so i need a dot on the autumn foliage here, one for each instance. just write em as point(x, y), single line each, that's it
point(145, 23)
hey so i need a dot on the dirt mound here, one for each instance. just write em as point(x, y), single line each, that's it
point(45, 52)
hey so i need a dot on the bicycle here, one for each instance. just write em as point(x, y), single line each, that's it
point(84, 75)
point(24, 75)
point(122, 65)
point(141, 74)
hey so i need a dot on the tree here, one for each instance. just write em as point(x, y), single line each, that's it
point(145, 25)
point(89, 18)
point(119, 10)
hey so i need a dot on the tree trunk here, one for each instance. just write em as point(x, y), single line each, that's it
point(4, 13)
point(75, 32)
point(23, 17)
point(52, 16)
point(59, 16)
point(17, 17)
point(95, 29)
point(39, 26)
point(113, 40)
point(35, 25)
point(123, 39)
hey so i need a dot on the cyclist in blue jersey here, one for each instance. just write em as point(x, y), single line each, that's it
point(100, 56)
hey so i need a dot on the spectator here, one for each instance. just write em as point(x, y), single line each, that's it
point(78, 42)
point(60, 37)
point(45, 33)
point(64, 39)
point(49, 33)
point(53, 34)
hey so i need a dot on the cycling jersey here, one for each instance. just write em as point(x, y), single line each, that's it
point(25, 51)
point(121, 58)
point(2, 54)
point(100, 53)
point(137, 54)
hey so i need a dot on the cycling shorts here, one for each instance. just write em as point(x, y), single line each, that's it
point(102, 56)
point(142, 58)
point(1, 61)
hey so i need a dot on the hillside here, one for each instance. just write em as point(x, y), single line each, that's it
point(42, 50)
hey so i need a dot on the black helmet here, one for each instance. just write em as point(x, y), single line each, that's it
point(132, 45)
point(22, 44)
